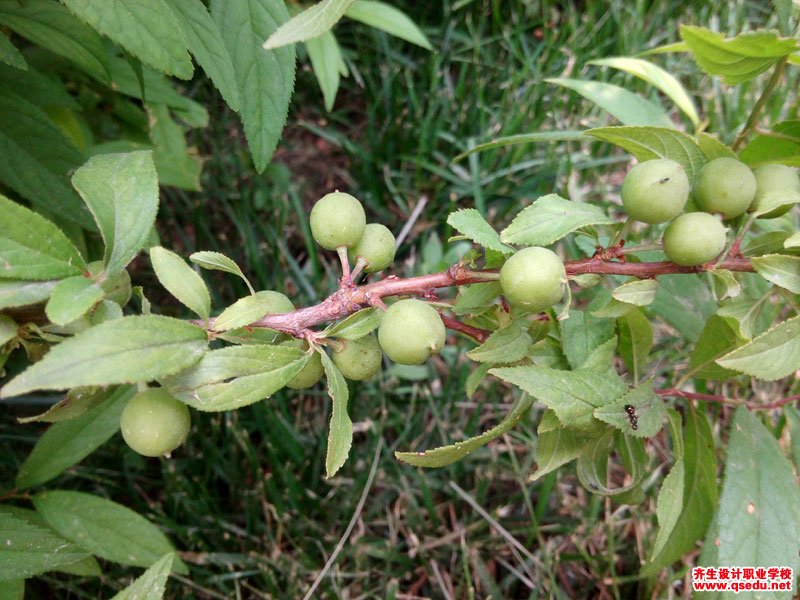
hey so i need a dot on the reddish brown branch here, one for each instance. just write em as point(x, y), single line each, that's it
point(479, 335)
point(675, 393)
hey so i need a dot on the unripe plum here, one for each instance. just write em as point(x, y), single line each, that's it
point(337, 220)
point(533, 279)
point(725, 186)
point(411, 332)
point(655, 191)
point(694, 239)
point(154, 422)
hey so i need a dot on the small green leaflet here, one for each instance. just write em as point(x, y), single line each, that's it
point(445, 455)
point(737, 59)
point(506, 345)
point(793, 241)
point(784, 149)
point(647, 143)
point(76, 402)
point(31, 247)
point(236, 376)
point(648, 412)
point(121, 191)
point(105, 528)
point(181, 281)
point(772, 355)
point(526, 138)
point(9, 53)
point(471, 223)
point(340, 433)
point(356, 325)
point(635, 341)
point(151, 584)
point(556, 445)
point(549, 219)
point(312, 22)
point(216, 261)
point(725, 284)
point(71, 298)
point(712, 147)
point(640, 292)
point(389, 19)
point(175, 164)
point(717, 339)
point(476, 297)
point(592, 465)
point(780, 270)
point(127, 350)
point(582, 334)
point(243, 312)
point(328, 65)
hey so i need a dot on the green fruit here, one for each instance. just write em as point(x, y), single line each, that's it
point(533, 279)
point(377, 246)
point(278, 303)
point(117, 287)
point(411, 332)
point(154, 422)
point(359, 359)
point(773, 179)
point(694, 239)
point(725, 186)
point(655, 191)
point(337, 220)
point(311, 373)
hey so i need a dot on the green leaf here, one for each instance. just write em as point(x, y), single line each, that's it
point(181, 281)
point(793, 241)
point(9, 53)
point(69, 442)
point(780, 270)
point(744, 314)
point(150, 585)
point(657, 77)
point(639, 292)
point(698, 496)
point(127, 350)
point(635, 341)
point(52, 26)
point(556, 445)
point(389, 19)
point(625, 106)
point(356, 325)
point(471, 223)
point(527, 138)
point(23, 293)
point(647, 143)
point(105, 528)
point(71, 298)
point(717, 339)
point(476, 298)
point(592, 466)
point(236, 376)
point(648, 411)
point(28, 550)
point(573, 395)
point(45, 92)
point(8, 329)
point(783, 148)
point(772, 355)
point(686, 303)
point(151, 32)
point(340, 432)
point(216, 261)
point(328, 64)
point(713, 148)
point(121, 191)
point(76, 402)
point(737, 59)
point(31, 247)
point(602, 357)
point(312, 22)
point(175, 164)
point(581, 334)
point(475, 378)
point(506, 345)
point(759, 485)
point(206, 44)
point(265, 77)
point(13, 589)
point(445, 455)
point(549, 219)
point(245, 311)
point(725, 284)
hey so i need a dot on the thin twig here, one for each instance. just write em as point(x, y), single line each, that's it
point(752, 120)
point(479, 335)
point(676, 393)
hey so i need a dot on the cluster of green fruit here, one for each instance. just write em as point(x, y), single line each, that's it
point(658, 191)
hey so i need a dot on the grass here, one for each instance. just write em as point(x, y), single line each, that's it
point(246, 497)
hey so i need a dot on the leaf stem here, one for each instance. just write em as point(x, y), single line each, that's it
point(752, 119)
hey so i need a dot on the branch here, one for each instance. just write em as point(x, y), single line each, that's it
point(479, 335)
point(676, 393)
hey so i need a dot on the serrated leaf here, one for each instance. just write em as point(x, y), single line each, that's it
point(772, 355)
point(657, 77)
point(476, 297)
point(340, 431)
point(52, 26)
point(781, 270)
point(556, 445)
point(67, 443)
point(744, 313)
point(759, 484)
point(737, 59)
point(28, 550)
point(71, 298)
point(23, 293)
point(602, 357)
point(686, 303)
point(312, 22)
point(389, 19)
point(475, 378)
point(592, 465)
point(31, 247)
point(506, 345)
point(647, 143)
point(127, 350)
point(573, 395)
point(245, 311)
point(175, 163)
point(76, 402)
point(265, 77)
point(216, 261)
point(445, 455)
point(328, 65)
point(639, 292)
point(151, 32)
point(581, 334)
point(717, 339)
point(623, 105)
point(181, 281)
point(236, 376)
point(206, 44)
point(712, 147)
point(121, 191)
point(151, 584)
point(549, 219)
point(725, 284)
point(356, 325)
point(105, 528)
point(783, 148)
point(648, 412)
point(635, 341)
point(9, 53)
point(471, 223)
